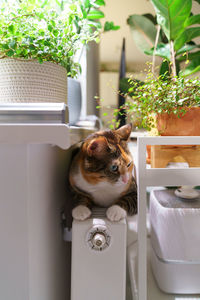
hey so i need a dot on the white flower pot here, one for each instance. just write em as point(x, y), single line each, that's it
point(74, 100)
point(25, 81)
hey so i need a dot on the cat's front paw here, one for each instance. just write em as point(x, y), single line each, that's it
point(115, 213)
point(81, 212)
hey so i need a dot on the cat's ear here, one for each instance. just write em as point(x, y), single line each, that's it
point(97, 147)
point(124, 131)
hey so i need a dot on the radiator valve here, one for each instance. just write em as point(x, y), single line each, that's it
point(98, 238)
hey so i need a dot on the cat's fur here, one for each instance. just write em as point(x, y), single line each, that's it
point(101, 174)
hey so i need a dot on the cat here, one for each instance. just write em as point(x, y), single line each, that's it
point(101, 175)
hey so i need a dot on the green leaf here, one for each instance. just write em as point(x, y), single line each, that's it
point(87, 3)
point(164, 69)
point(151, 18)
point(177, 66)
point(171, 15)
point(162, 50)
point(192, 68)
point(189, 57)
point(10, 52)
point(5, 46)
point(53, 23)
point(41, 32)
point(55, 32)
point(95, 24)
point(110, 26)
point(40, 60)
point(186, 48)
point(31, 47)
point(50, 28)
point(11, 29)
point(192, 20)
point(100, 2)
point(24, 52)
point(143, 31)
point(44, 3)
point(95, 14)
point(186, 36)
point(13, 44)
point(84, 12)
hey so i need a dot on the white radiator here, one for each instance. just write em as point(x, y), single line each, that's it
point(98, 258)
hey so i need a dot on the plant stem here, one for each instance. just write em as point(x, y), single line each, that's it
point(22, 16)
point(173, 59)
point(154, 51)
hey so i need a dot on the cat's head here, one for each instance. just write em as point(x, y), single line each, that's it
point(106, 156)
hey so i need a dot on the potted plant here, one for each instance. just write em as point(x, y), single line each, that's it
point(39, 44)
point(166, 105)
point(170, 97)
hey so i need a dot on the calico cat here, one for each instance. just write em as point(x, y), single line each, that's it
point(101, 174)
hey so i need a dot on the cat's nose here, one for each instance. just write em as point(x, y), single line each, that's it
point(125, 177)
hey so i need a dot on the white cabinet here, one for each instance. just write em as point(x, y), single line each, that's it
point(157, 177)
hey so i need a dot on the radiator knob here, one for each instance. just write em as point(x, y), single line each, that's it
point(98, 238)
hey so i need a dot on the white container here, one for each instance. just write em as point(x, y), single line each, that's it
point(29, 81)
point(98, 272)
point(74, 100)
point(175, 242)
point(176, 277)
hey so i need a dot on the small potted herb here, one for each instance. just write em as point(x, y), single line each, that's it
point(171, 106)
point(39, 44)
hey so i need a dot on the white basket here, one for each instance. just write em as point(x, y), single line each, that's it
point(29, 81)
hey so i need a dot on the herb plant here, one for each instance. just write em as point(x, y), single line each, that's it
point(50, 31)
point(158, 96)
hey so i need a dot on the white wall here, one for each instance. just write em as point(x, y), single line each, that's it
point(111, 42)
point(110, 51)
point(118, 11)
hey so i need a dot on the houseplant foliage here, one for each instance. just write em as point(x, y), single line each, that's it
point(156, 97)
point(175, 39)
point(50, 31)
point(169, 96)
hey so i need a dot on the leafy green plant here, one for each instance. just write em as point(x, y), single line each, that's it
point(157, 96)
point(170, 35)
point(50, 30)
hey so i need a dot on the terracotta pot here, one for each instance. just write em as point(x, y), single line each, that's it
point(148, 159)
point(188, 124)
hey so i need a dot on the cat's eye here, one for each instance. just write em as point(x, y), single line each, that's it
point(113, 168)
point(129, 164)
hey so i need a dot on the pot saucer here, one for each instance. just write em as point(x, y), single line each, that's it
point(187, 193)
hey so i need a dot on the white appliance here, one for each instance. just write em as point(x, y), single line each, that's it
point(175, 242)
point(98, 258)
